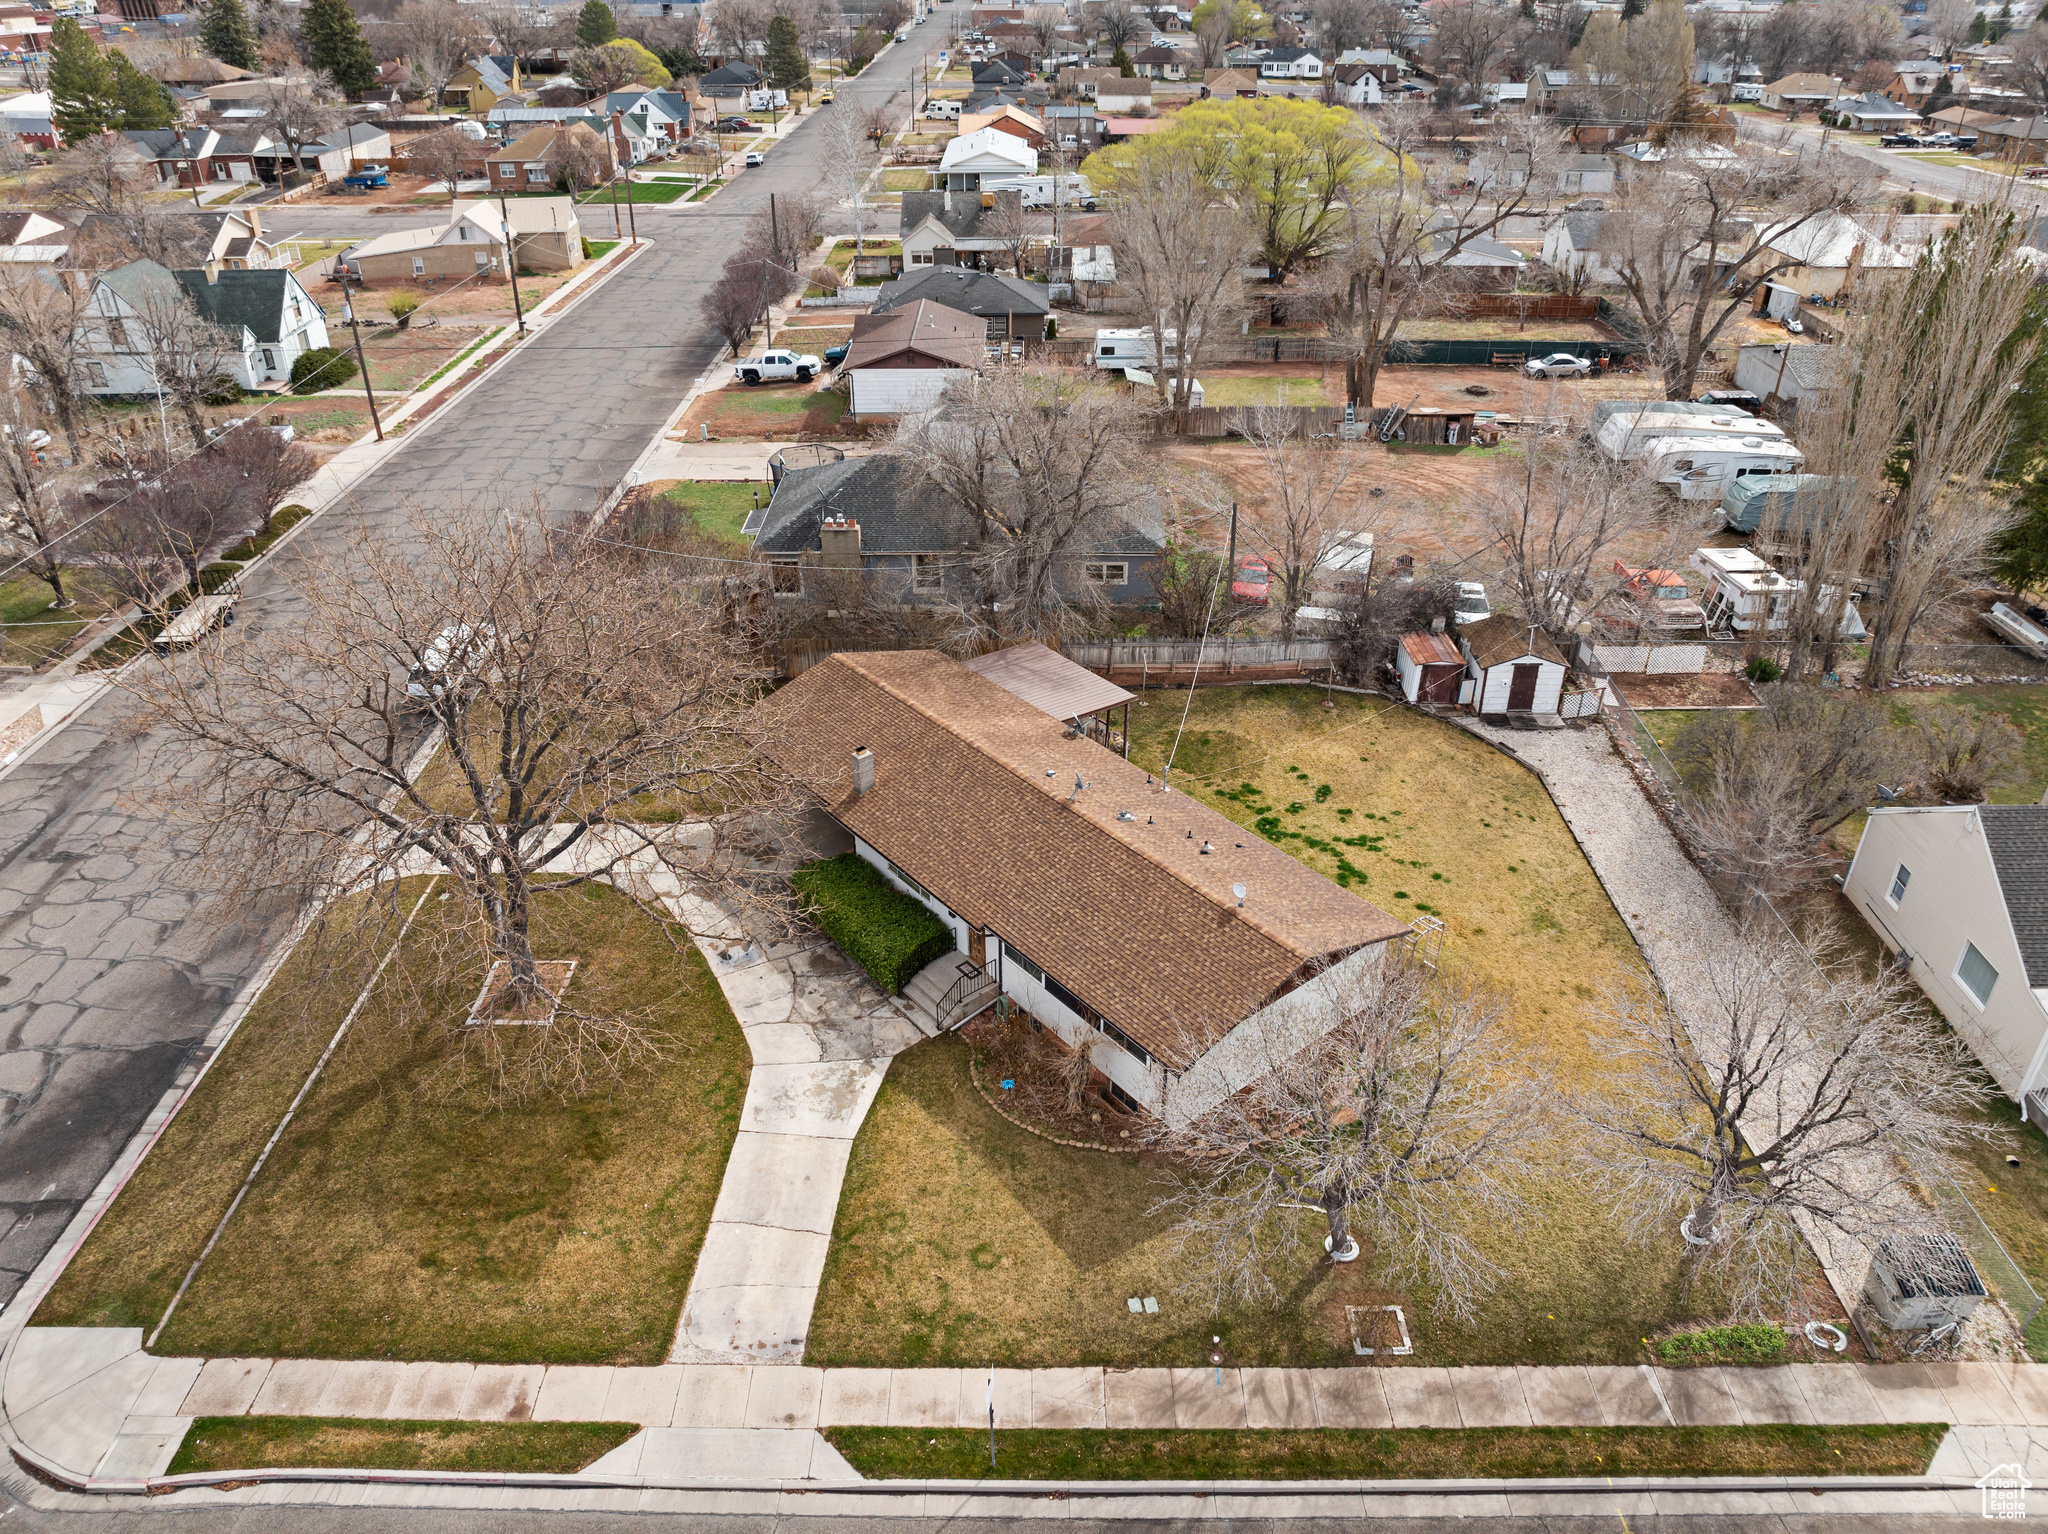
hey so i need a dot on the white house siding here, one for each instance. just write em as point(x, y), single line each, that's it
point(1549, 687)
point(931, 902)
point(1277, 1032)
point(1953, 898)
point(1144, 1081)
point(898, 391)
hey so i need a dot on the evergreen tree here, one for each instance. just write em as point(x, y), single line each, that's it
point(1631, 9)
point(83, 95)
point(1980, 29)
point(334, 43)
point(595, 24)
point(786, 67)
point(2020, 554)
point(1121, 62)
point(144, 103)
point(680, 60)
point(225, 32)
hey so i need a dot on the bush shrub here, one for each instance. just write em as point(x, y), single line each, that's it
point(402, 305)
point(1747, 1342)
point(324, 367)
point(883, 930)
point(1762, 668)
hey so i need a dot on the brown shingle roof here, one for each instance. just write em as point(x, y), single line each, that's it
point(1505, 637)
point(1129, 915)
point(947, 335)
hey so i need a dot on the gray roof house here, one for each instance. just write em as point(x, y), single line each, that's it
point(1010, 306)
point(732, 79)
point(945, 227)
point(267, 318)
point(1959, 893)
point(884, 515)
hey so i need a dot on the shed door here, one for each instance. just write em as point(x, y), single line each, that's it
point(1522, 689)
point(1440, 683)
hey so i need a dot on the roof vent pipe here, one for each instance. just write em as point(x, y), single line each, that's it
point(863, 771)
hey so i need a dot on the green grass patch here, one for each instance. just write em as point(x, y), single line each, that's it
point(282, 521)
point(1244, 393)
point(599, 249)
point(351, 1443)
point(391, 1223)
point(909, 178)
point(460, 357)
point(740, 411)
point(32, 631)
point(883, 930)
point(705, 190)
point(720, 507)
point(637, 191)
point(1332, 1454)
point(1748, 1342)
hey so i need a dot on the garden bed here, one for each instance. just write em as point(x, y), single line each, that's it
point(391, 1223)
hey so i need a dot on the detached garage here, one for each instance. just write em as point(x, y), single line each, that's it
point(900, 362)
point(1514, 667)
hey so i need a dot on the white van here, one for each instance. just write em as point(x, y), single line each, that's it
point(948, 110)
point(1702, 468)
point(767, 101)
point(1628, 434)
point(1040, 191)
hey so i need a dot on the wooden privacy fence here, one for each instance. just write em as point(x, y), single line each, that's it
point(1520, 306)
point(1177, 662)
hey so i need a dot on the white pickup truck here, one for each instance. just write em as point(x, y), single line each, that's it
point(777, 365)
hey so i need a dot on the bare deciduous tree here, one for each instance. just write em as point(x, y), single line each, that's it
point(1118, 23)
point(1696, 234)
point(295, 116)
point(33, 523)
point(789, 234)
point(107, 176)
point(850, 157)
point(1790, 1089)
point(446, 155)
point(1180, 253)
point(589, 713)
point(1013, 228)
point(578, 158)
point(1772, 780)
point(1967, 751)
point(1045, 463)
point(1399, 1125)
point(40, 321)
point(741, 296)
point(1403, 228)
point(1556, 518)
point(1314, 500)
point(438, 37)
point(255, 462)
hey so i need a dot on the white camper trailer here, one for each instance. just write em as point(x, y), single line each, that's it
point(1627, 434)
point(1701, 468)
point(1133, 348)
point(1069, 191)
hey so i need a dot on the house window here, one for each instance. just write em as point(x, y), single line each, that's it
point(483, 259)
point(905, 878)
point(1977, 975)
point(1899, 882)
point(537, 174)
point(96, 374)
point(1113, 572)
point(117, 332)
point(419, 266)
point(927, 572)
point(269, 360)
point(787, 579)
point(1024, 962)
point(1129, 1045)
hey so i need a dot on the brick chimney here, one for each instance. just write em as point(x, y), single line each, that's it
point(839, 543)
point(863, 771)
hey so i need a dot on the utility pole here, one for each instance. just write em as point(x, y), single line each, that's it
point(511, 263)
point(617, 232)
point(1230, 568)
point(348, 312)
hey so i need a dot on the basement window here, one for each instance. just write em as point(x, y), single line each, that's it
point(927, 572)
point(1107, 572)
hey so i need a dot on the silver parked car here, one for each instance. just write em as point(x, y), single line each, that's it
point(1558, 365)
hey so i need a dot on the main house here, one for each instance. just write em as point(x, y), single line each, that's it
point(267, 319)
point(881, 514)
point(1959, 894)
point(1187, 953)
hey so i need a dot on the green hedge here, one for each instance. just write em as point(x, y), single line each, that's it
point(883, 930)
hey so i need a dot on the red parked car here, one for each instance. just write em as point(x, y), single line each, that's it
point(1254, 575)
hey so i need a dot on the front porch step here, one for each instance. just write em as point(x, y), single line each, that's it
point(929, 988)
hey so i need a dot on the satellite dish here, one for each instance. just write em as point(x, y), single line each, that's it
point(1238, 890)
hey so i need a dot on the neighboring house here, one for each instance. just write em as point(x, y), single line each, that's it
point(543, 230)
point(1506, 95)
point(234, 242)
point(1482, 264)
point(997, 72)
point(1290, 64)
point(1587, 246)
point(1964, 120)
point(338, 153)
point(1084, 82)
point(1118, 97)
point(1161, 63)
point(1585, 175)
point(900, 362)
point(1074, 128)
point(1356, 86)
point(884, 515)
point(523, 164)
point(728, 81)
point(1223, 84)
point(1799, 93)
point(187, 157)
point(31, 242)
point(1013, 120)
point(2019, 138)
point(1915, 81)
point(1109, 912)
point(269, 318)
point(27, 118)
point(1514, 667)
point(1959, 894)
point(482, 83)
point(1872, 112)
point(653, 114)
point(945, 228)
point(990, 152)
point(1009, 306)
point(1826, 254)
point(1387, 66)
point(1787, 370)
point(1629, 158)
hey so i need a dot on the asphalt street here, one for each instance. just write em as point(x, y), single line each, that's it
point(1906, 171)
point(108, 983)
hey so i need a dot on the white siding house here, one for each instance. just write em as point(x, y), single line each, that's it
point(1960, 894)
point(266, 318)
